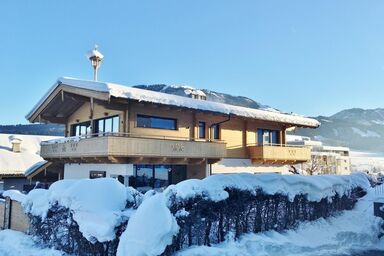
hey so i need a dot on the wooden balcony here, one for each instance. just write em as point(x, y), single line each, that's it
point(127, 148)
point(279, 154)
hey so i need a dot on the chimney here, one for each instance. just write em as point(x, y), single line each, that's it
point(16, 144)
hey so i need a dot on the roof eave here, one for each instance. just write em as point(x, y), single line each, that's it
point(33, 115)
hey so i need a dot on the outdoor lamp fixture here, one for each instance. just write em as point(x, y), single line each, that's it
point(95, 57)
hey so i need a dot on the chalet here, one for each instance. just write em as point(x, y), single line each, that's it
point(21, 165)
point(150, 139)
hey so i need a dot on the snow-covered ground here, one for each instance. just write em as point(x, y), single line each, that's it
point(366, 161)
point(13, 243)
point(344, 234)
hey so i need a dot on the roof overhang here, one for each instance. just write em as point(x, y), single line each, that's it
point(61, 101)
point(68, 94)
point(36, 169)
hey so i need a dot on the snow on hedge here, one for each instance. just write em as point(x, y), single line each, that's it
point(120, 91)
point(344, 234)
point(315, 187)
point(97, 205)
point(152, 227)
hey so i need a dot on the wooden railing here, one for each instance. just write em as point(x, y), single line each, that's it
point(131, 145)
point(279, 153)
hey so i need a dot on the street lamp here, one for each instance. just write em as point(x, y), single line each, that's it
point(95, 57)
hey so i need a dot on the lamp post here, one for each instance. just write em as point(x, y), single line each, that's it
point(95, 57)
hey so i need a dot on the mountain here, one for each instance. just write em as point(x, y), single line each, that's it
point(211, 95)
point(36, 129)
point(359, 129)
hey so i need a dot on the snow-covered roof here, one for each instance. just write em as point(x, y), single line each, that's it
point(121, 91)
point(16, 163)
point(334, 148)
point(318, 145)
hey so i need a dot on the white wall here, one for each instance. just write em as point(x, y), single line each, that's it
point(81, 171)
point(343, 165)
point(234, 165)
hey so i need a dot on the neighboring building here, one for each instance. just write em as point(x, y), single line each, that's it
point(20, 159)
point(152, 139)
point(324, 159)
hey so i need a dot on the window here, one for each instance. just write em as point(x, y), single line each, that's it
point(156, 122)
point(216, 131)
point(106, 125)
point(267, 137)
point(81, 129)
point(152, 176)
point(97, 174)
point(201, 130)
point(161, 176)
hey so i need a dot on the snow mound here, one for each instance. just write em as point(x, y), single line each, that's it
point(149, 230)
point(314, 187)
point(15, 195)
point(13, 243)
point(100, 201)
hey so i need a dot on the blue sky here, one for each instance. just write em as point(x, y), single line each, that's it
point(308, 57)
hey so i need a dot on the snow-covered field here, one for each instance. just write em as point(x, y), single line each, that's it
point(366, 161)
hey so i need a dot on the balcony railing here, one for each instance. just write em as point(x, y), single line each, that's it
point(131, 145)
point(279, 153)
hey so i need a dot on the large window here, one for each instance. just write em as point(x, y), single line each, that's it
point(216, 131)
point(265, 136)
point(107, 125)
point(81, 129)
point(201, 130)
point(156, 122)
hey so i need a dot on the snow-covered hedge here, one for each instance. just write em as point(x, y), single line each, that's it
point(202, 212)
point(84, 217)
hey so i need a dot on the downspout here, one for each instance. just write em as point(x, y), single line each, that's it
point(218, 123)
point(210, 136)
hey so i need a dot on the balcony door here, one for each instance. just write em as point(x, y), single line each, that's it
point(267, 137)
point(178, 173)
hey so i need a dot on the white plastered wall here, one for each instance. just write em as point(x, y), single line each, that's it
point(81, 171)
point(236, 165)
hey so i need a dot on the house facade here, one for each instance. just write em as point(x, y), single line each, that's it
point(150, 139)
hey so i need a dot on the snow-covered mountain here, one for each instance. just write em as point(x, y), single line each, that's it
point(359, 129)
point(35, 129)
point(211, 95)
